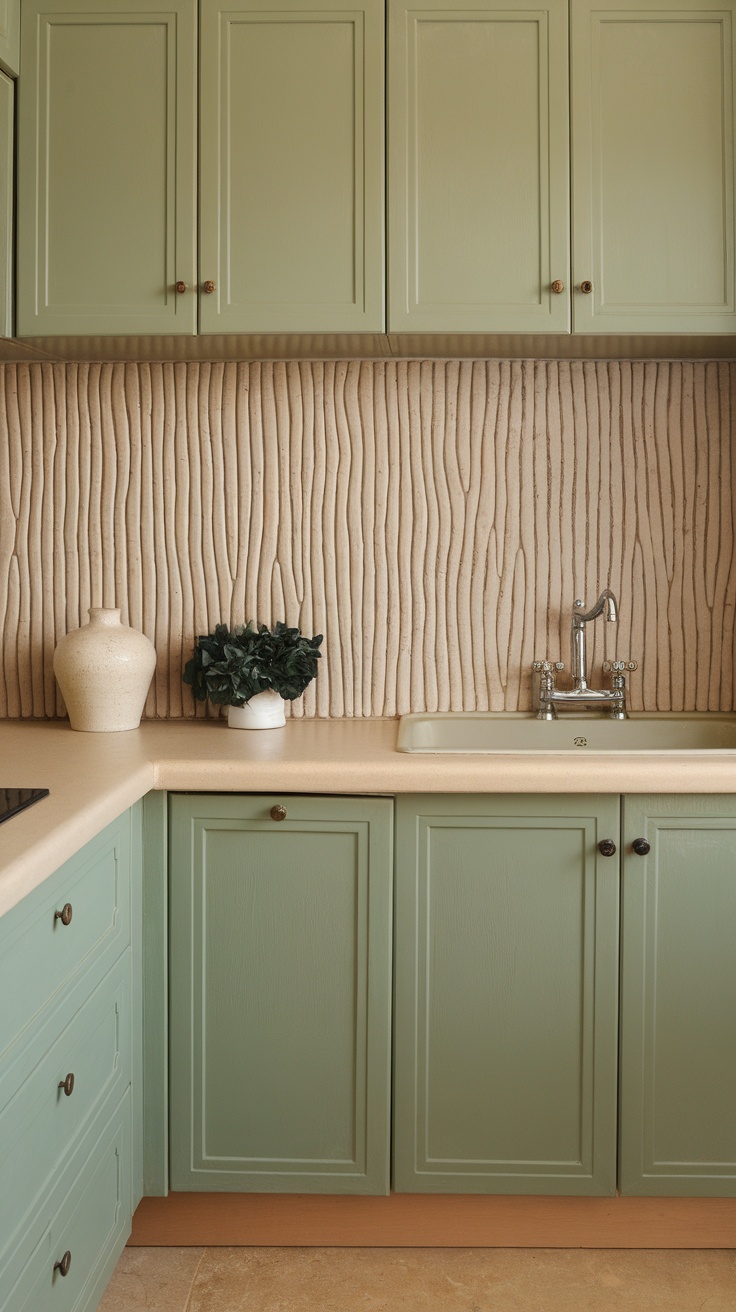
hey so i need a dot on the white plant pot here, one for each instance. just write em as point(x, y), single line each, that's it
point(104, 671)
point(264, 711)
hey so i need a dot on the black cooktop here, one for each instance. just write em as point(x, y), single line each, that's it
point(13, 800)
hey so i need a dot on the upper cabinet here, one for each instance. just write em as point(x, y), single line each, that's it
point(528, 192)
point(653, 166)
point(7, 97)
point(10, 35)
point(479, 178)
point(106, 167)
point(478, 167)
point(291, 166)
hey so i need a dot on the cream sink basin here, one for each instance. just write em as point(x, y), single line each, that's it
point(507, 733)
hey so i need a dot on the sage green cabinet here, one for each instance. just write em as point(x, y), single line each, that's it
point(9, 35)
point(290, 204)
point(480, 156)
point(678, 1001)
point(653, 166)
point(106, 167)
point(291, 166)
point(70, 1075)
point(7, 101)
point(280, 993)
point(478, 166)
point(506, 995)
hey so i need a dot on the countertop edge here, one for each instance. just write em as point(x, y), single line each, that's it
point(93, 778)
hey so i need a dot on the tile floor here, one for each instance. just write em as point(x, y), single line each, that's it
point(422, 1280)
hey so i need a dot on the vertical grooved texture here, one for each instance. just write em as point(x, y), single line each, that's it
point(434, 519)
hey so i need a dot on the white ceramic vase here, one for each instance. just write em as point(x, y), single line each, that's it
point(104, 671)
point(264, 711)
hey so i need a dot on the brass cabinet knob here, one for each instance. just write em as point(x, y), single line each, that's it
point(68, 1084)
point(65, 915)
point(181, 287)
point(586, 287)
point(557, 286)
point(63, 1266)
point(208, 287)
point(278, 812)
point(607, 847)
point(641, 846)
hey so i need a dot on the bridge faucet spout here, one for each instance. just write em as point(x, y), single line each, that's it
point(580, 618)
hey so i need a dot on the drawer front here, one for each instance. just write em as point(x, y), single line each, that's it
point(91, 1224)
point(42, 1125)
point(40, 954)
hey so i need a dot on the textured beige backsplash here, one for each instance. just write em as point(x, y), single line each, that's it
point(434, 520)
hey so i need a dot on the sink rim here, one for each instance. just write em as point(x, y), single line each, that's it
point(572, 717)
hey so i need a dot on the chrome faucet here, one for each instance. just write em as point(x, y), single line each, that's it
point(549, 696)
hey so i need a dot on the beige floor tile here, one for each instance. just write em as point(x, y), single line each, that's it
point(152, 1280)
point(465, 1280)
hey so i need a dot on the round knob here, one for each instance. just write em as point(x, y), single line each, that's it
point(278, 812)
point(607, 847)
point(67, 1085)
point(65, 915)
point(208, 287)
point(63, 1266)
point(641, 846)
point(586, 287)
point(181, 287)
point(557, 286)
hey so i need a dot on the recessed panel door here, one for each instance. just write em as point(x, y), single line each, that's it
point(678, 997)
point(291, 171)
point(106, 181)
point(653, 166)
point(506, 1006)
point(280, 994)
point(478, 167)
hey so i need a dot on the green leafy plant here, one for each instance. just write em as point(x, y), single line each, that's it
point(231, 665)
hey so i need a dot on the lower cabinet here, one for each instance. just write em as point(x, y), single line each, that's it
point(526, 1059)
point(280, 917)
point(506, 995)
point(678, 999)
point(70, 1076)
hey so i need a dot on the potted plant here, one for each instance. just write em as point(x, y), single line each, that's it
point(252, 670)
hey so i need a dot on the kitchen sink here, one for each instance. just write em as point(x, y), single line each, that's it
point(511, 732)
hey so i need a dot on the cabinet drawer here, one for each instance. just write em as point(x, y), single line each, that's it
point(91, 1224)
point(41, 1125)
point(40, 954)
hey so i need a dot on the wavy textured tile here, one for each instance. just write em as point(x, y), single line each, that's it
point(434, 519)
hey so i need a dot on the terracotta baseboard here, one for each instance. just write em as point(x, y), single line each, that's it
point(434, 1221)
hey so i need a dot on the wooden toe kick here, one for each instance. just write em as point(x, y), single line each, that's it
point(434, 1221)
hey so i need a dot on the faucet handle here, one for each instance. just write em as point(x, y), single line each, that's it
point(547, 667)
point(618, 667)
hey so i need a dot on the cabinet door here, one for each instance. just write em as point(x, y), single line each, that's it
point(478, 166)
point(506, 995)
point(106, 180)
point(7, 94)
point(280, 994)
point(10, 35)
point(653, 166)
point(678, 1005)
point(291, 174)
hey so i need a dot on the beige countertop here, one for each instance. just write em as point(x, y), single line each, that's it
point(92, 778)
